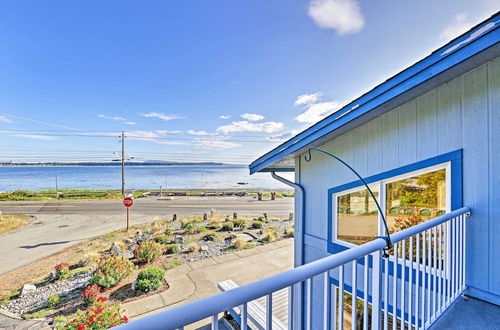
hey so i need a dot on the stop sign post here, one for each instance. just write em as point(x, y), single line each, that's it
point(128, 201)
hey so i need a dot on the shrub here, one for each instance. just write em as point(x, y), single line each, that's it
point(257, 224)
point(239, 243)
point(53, 301)
point(169, 230)
point(271, 235)
point(227, 226)
point(289, 232)
point(213, 226)
point(90, 294)
point(102, 316)
point(111, 270)
point(171, 264)
point(240, 223)
point(212, 236)
point(162, 239)
point(150, 279)
point(261, 218)
point(185, 223)
point(192, 228)
point(172, 248)
point(62, 271)
point(148, 251)
point(193, 247)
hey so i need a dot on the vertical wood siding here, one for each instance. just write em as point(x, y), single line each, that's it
point(462, 113)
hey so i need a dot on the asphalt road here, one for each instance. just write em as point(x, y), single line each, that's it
point(181, 206)
point(57, 225)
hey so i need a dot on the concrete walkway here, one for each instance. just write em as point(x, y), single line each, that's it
point(196, 280)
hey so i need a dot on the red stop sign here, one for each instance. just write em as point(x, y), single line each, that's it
point(128, 201)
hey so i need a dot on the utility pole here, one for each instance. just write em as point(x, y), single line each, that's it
point(123, 163)
point(122, 159)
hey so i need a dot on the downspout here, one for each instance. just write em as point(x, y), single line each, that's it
point(299, 259)
point(298, 291)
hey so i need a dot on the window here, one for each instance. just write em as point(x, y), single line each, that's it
point(415, 199)
point(406, 199)
point(357, 216)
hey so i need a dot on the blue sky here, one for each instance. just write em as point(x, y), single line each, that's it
point(199, 80)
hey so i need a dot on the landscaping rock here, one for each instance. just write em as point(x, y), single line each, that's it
point(178, 239)
point(229, 239)
point(143, 236)
point(281, 225)
point(28, 288)
point(133, 285)
point(245, 237)
point(39, 296)
point(208, 250)
point(116, 251)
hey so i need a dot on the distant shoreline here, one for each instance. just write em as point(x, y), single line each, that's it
point(55, 164)
point(88, 194)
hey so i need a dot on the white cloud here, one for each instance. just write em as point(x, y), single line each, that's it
point(459, 25)
point(31, 136)
point(307, 98)
point(344, 16)
point(119, 119)
point(246, 126)
point(162, 116)
point(4, 119)
point(147, 135)
point(200, 133)
point(215, 144)
point(252, 116)
point(171, 143)
point(282, 137)
point(317, 111)
point(224, 116)
point(112, 118)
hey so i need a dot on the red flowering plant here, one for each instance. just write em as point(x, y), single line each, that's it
point(62, 271)
point(101, 316)
point(90, 294)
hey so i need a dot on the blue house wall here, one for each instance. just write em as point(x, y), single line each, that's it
point(463, 113)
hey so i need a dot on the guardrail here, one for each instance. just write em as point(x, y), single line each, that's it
point(424, 274)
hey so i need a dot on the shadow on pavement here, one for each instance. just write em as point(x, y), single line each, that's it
point(42, 244)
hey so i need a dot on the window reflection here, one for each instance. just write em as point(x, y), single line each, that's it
point(416, 199)
point(357, 216)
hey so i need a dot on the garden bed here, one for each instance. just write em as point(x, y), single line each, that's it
point(127, 265)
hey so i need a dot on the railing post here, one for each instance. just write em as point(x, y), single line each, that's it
point(376, 290)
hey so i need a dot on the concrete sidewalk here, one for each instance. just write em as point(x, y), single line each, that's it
point(196, 280)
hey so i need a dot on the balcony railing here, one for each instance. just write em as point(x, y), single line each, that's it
point(424, 274)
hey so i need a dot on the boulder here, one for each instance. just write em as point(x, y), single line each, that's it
point(28, 288)
point(116, 251)
point(204, 248)
point(178, 239)
point(143, 236)
point(245, 237)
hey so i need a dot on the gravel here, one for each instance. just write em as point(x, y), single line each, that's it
point(214, 249)
point(39, 298)
point(281, 225)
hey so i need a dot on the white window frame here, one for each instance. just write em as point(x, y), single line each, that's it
point(381, 199)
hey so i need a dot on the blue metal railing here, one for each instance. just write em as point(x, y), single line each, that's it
point(454, 225)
